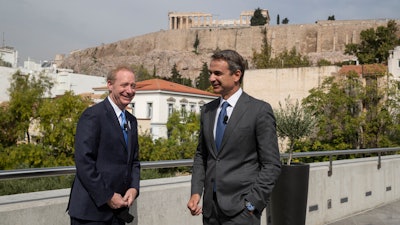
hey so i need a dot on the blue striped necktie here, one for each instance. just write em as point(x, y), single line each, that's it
point(124, 126)
point(221, 124)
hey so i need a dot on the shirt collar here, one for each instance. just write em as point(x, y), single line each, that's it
point(115, 107)
point(233, 99)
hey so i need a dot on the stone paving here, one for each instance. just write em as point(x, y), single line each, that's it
point(385, 215)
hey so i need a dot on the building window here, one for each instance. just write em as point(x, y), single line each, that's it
point(149, 110)
point(183, 110)
point(133, 108)
point(170, 109)
point(192, 108)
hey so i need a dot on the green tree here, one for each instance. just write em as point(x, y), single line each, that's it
point(337, 106)
point(58, 119)
point(290, 59)
point(278, 20)
point(323, 62)
point(176, 77)
point(27, 156)
point(262, 60)
point(258, 19)
point(202, 81)
point(375, 44)
point(286, 59)
point(351, 115)
point(141, 73)
point(331, 17)
point(196, 44)
point(26, 96)
point(285, 21)
point(187, 82)
point(293, 123)
point(8, 130)
point(180, 144)
point(183, 131)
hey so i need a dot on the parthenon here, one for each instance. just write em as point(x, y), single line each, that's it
point(182, 20)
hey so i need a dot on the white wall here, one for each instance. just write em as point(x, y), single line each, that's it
point(275, 85)
point(63, 81)
point(9, 55)
point(394, 63)
point(5, 77)
point(160, 101)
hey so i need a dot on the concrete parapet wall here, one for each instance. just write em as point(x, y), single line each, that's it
point(355, 186)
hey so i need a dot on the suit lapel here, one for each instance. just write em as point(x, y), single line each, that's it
point(209, 121)
point(237, 114)
point(131, 132)
point(115, 122)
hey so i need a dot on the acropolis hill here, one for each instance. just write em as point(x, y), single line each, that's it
point(161, 50)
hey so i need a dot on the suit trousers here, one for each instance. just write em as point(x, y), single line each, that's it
point(113, 221)
point(242, 218)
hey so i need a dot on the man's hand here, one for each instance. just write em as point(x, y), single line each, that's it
point(130, 196)
point(193, 205)
point(117, 202)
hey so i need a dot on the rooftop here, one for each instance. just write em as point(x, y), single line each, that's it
point(163, 85)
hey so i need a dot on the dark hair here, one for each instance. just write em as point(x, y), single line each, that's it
point(111, 75)
point(235, 61)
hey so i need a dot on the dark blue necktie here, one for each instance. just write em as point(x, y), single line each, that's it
point(221, 124)
point(124, 126)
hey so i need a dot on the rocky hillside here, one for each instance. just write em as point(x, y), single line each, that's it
point(161, 50)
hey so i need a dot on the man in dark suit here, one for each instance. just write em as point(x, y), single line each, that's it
point(106, 157)
point(238, 176)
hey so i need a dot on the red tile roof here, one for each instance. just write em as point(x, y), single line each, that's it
point(163, 85)
point(364, 69)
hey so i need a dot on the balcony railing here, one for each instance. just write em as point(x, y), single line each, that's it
point(67, 170)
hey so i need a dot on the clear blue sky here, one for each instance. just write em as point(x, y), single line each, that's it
point(40, 29)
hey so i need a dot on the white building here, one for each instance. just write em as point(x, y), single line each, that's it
point(8, 54)
point(156, 99)
point(394, 63)
point(63, 79)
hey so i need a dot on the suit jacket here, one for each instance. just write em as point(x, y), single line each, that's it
point(248, 162)
point(104, 162)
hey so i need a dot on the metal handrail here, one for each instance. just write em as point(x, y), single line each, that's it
point(67, 170)
point(343, 152)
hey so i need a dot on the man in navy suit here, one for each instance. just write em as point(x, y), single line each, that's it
point(106, 157)
point(238, 176)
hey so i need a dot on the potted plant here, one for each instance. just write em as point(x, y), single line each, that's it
point(289, 197)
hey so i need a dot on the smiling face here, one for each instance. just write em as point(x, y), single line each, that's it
point(122, 88)
point(223, 81)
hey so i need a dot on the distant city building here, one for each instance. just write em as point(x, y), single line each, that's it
point(8, 54)
point(394, 63)
point(188, 20)
point(63, 79)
